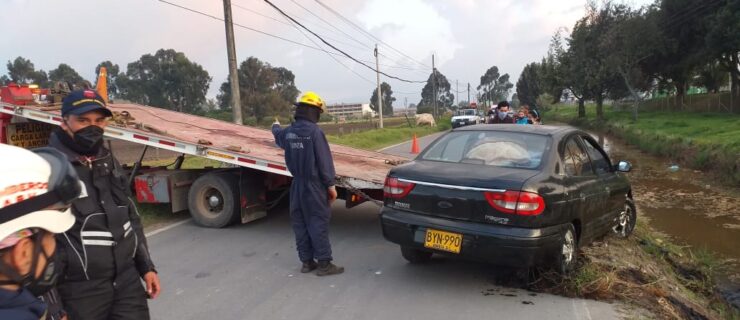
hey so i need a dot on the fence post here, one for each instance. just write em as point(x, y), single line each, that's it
point(691, 104)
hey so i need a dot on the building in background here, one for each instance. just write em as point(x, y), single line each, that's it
point(351, 110)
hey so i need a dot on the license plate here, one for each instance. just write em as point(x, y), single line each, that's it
point(441, 240)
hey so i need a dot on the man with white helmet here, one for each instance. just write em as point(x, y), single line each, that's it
point(36, 190)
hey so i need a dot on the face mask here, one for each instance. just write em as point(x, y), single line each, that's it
point(48, 278)
point(37, 286)
point(502, 115)
point(89, 138)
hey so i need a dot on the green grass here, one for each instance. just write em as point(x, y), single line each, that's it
point(190, 162)
point(379, 138)
point(154, 215)
point(699, 140)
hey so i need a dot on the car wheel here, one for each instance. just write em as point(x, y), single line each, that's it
point(567, 254)
point(626, 220)
point(415, 255)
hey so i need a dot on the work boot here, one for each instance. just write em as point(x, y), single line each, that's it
point(326, 268)
point(309, 266)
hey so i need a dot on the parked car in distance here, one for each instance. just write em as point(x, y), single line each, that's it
point(464, 117)
point(510, 195)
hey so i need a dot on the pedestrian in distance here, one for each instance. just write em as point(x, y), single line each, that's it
point(502, 113)
point(36, 189)
point(532, 113)
point(312, 190)
point(105, 254)
point(523, 117)
point(491, 114)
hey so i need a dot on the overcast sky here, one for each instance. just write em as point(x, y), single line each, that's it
point(466, 37)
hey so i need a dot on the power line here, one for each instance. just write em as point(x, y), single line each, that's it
point(329, 23)
point(290, 25)
point(348, 21)
point(261, 32)
point(398, 65)
point(342, 31)
point(339, 41)
point(332, 56)
point(337, 49)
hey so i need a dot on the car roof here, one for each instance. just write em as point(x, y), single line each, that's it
point(535, 129)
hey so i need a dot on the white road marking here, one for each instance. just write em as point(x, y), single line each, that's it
point(165, 228)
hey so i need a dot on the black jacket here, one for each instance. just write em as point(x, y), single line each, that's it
point(107, 240)
point(507, 119)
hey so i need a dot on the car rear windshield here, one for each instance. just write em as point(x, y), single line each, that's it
point(492, 148)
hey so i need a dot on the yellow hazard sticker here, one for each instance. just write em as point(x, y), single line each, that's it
point(220, 155)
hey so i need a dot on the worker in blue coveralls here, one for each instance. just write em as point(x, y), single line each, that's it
point(312, 191)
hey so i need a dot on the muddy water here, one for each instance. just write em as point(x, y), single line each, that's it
point(685, 205)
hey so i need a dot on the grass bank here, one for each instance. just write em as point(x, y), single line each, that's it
point(648, 274)
point(390, 135)
point(702, 141)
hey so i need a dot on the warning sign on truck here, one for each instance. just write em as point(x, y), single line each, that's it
point(28, 134)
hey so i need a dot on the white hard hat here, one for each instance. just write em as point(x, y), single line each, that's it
point(36, 189)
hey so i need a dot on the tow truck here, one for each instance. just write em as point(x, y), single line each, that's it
point(252, 179)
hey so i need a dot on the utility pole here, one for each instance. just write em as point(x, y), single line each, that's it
point(434, 88)
point(468, 92)
point(380, 97)
point(233, 75)
point(457, 93)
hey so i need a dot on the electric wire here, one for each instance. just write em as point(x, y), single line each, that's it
point(332, 56)
point(346, 34)
point(262, 32)
point(329, 24)
point(290, 25)
point(348, 21)
point(337, 49)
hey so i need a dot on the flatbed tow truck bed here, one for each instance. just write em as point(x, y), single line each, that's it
point(219, 140)
point(217, 197)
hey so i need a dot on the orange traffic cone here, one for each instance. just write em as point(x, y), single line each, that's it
point(414, 145)
point(102, 86)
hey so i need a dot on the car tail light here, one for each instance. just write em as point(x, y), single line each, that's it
point(516, 202)
point(395, 188)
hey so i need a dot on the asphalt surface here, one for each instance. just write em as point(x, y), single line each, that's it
point(404, 149)
point(252, 272)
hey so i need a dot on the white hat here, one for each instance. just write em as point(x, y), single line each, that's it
point(23, 176)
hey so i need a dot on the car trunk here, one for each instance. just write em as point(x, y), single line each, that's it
point(457, 192)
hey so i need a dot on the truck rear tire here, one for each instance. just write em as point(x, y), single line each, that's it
point(213, 200)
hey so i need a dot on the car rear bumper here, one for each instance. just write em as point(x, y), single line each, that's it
point(495, 244)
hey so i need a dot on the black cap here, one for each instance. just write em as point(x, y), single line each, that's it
point(83, 101)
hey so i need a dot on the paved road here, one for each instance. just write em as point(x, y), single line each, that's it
point(404, 149)
point(251, 272)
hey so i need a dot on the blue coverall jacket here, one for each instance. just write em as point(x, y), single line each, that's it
point(309, 160)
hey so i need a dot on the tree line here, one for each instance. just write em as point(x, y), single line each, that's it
point(618, 52)
point(168, 79)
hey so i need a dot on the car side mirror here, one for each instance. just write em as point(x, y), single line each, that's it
point(624, 166)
